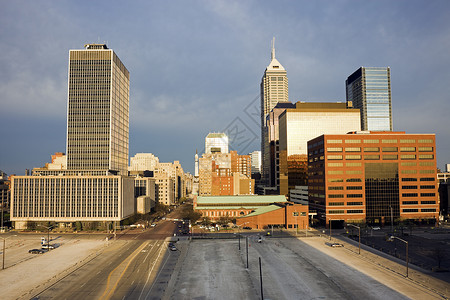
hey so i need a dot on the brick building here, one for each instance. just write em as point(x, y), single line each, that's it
point(371, 176)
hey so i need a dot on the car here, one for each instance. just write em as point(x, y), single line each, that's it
point(259, 240)
point(173, 248)
point(376, 228)
point(246, 227)
point(36, 251)
point(334, 245)
point(153, 225)
point(47, 246)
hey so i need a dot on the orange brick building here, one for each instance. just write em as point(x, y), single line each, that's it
point(369, 176)
point(287, 215)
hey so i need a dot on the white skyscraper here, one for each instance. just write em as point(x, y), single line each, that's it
point(274, 89)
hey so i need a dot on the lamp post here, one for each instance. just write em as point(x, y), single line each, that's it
point(4, 249)
point(329, 224)
point(48, 235)
point(239, 233)
point(359, 236)
point(406, 242)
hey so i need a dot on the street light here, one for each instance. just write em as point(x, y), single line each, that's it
point(239, 233)
point(48, 235)
point(359, 236)
point(4, 249)
point(406, 242)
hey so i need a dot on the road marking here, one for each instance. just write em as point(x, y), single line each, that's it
point(83, 284)
point(131, 257)
point(148, 276)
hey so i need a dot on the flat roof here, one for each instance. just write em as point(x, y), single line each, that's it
point(247, 199)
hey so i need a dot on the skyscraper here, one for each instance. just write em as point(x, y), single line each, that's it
point(98, 110)
point(369, 89)
point(274, 89)
point(216, 142)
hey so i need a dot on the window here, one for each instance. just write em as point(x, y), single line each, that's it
point(334, 141)
point(354, 195)
point(410, 202)
point(357, 164)
point(353, 141)
point(354, 203)
point(407, 141)
point(352, 149)
point(409, 195)
point(334, 149)
point(409, 179)
point(407, 149)
point(426, 171)
point(425, 141)
point(371, 141)
point(427, 202)
point(336, 211)
point(409, 171)
point(371, 149)
point(389, 141)
point(430, 187)
point(334, 157)
point(336, 196)
point(389, 149)
point(335, 164)
point(407, 210)
point(354, 180)
point(390, 157)
point(351, 172)
point(354, 211)
point(332, 188)
point(409, 187)
point(353, 157)
point(336, 203)
point(427, 194)
point(427, 179)
point(335, 180)
point(426, 163)
point(338, 172)
point(408, 156)
point(428, 209)
point(371, 157)
point(408, 164)
point(426, 156)
point(354, 187)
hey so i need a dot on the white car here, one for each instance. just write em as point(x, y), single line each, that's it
point(376, 228)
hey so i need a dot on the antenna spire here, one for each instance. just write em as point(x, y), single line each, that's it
point(273, 48)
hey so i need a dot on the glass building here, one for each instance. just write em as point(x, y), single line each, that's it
point(369, 89)
point(98, 110)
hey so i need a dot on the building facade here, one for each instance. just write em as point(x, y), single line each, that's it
point(98, 110)
point(298, 126)
point(373, 177)
point(143, 162)
point(369, 89)
point(71, 198)
point(216, 143)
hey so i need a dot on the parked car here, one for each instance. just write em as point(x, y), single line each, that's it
point(246, 227)
point(376, 228)
point(336, 245)
point(173, 248)
point(153, 225)
point(36, 251)
point(259, 240)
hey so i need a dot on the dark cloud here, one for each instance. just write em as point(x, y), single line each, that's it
point(195, 66)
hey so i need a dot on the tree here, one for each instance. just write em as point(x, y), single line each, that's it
point(206, 221)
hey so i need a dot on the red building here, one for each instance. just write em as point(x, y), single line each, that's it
point(373, 177)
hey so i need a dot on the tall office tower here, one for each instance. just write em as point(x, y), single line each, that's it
point(98, 110)
point(298, 126)
point(274, 89)
point(256, 162)
point(369, 89)
point(216, 142)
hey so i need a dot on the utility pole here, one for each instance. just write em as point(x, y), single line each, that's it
point(392, 221)
point(246, 246)
point(260, 279)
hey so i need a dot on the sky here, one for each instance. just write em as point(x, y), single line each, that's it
point(196, 67)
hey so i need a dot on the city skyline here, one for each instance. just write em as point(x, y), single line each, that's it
point(184, 82)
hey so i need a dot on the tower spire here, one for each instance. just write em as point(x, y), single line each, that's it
point(273, 48)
